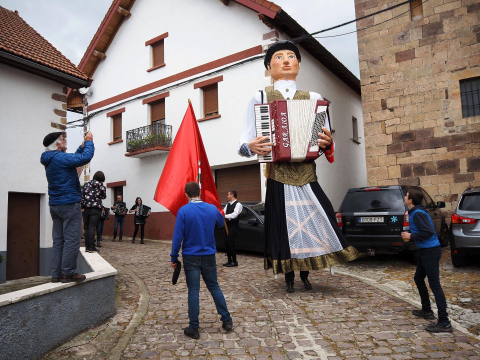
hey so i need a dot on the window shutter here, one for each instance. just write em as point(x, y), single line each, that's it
point(157, 110)
point(157, 51)
point(416, 8)
point(210, 100)
point(117, 127)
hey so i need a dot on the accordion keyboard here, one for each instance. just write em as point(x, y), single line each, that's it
point(264, 128)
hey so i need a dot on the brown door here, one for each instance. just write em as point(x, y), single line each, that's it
point(23, 235)
point(244, 179)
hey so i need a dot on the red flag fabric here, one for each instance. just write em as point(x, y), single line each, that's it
point(187, 161)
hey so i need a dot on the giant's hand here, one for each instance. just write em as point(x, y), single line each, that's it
point(324, 139)
point(259, 146)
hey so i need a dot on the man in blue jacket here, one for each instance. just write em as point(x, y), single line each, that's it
point(423, 233)
point(194, 233)
point(64, 199)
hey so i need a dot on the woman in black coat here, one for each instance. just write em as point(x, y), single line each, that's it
point(139, 219)
point(93, 193)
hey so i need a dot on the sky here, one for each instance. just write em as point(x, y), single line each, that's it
point(70, 26)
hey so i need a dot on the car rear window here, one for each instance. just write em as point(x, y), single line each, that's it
point(373, 201)
point(470, 202)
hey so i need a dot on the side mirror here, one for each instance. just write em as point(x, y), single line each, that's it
point(440, 204)
point(253, 221)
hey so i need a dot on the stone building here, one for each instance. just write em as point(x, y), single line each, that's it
point(420, 77)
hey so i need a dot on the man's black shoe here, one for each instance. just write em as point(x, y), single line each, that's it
point(94, 250)
point(227, 263)
point(142, 242)
point(227, 325)
point(232, 264)
point(98, 244)
point(424, 314)
point(193, 333)
point(133, 241)
point(290, 287)
point(307, 284)
point(439, 327)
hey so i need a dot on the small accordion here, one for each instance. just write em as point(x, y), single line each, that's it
point(292, 126)
point(143, 210)
point(105, 214)
point(120, 210)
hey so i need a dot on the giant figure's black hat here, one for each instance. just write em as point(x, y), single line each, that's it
point(278, 46)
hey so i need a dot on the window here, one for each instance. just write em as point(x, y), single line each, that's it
point(117, 127)
point(118, 190)
point(157, 115)
point(355, 130)
point(157, 54)
point(470, 95)
point(416, 9)
point(210, 100)
point(157, 45)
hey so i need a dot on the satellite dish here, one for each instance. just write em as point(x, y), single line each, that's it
point(84, 90)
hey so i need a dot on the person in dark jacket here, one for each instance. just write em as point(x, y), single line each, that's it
point(120, 210)
point(138, 220)
point(422, 232)
point(64, 199)
point(193, 232)
point(93, 193)
point(232, 211)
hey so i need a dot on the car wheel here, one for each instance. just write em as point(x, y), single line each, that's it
point(444, 234)
point(458, 260)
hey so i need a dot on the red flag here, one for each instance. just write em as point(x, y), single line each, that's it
point(187, 161)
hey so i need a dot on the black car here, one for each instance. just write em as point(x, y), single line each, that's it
point(251, 229)
point(372, 219)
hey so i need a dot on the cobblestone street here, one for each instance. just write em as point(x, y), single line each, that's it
point(362, 312)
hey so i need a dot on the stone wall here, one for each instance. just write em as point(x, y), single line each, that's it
point(410, 71)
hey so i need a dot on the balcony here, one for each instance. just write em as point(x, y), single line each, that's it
point(149, 140)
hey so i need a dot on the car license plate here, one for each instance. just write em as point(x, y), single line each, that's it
point(371, 219)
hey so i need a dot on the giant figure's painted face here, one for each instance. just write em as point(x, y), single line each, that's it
point(284, 65)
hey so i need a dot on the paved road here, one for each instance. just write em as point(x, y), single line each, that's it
point(357, 314)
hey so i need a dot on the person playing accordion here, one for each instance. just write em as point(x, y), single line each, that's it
point(141, 213)
point(300, 225)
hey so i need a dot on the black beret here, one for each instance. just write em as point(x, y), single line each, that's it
point(281, 45)
point(50, 138)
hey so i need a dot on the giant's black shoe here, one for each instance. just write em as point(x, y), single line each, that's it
point(307, 284)
point(232, 264)
point(193, 333)
point(290, 287)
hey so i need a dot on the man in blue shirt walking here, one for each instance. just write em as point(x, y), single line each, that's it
point(423, 233)
point(194, 233)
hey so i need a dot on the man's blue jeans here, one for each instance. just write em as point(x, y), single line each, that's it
point(429, 266)
point(207, 266)
point(100, 230)
point(66, 234)
point(118, 220)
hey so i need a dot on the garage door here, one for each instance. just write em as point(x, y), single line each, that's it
point(244, 179)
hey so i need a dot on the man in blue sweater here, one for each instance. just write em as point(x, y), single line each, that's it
point(423, 233)
point(194, 233)
point(65, 195)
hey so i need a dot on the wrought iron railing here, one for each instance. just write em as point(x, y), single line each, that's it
point(149, 136)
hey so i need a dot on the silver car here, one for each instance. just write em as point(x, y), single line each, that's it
point(465, 227)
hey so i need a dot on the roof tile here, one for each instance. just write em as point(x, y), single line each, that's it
point(19, 38)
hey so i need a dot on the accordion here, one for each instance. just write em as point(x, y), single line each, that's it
point(292, 126)
point(105, 213)
point(143, 210)
point(120, 210)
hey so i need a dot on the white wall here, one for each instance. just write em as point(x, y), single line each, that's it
point(26, 111)
point(212, 31)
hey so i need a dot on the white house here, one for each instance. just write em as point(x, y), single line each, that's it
point(34, 77)
point(149, 57)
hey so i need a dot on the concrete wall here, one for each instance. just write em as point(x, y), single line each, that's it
point(27, 111)
point(189, 44)
point(38, 319)
point(410, 71)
